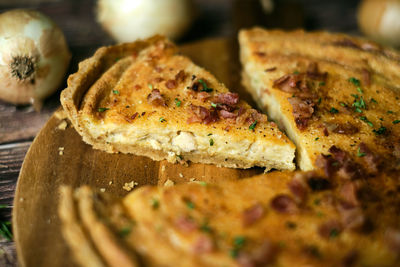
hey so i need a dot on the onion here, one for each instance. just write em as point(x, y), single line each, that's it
point(380, 20)
point(34, 57)
point(128, 20)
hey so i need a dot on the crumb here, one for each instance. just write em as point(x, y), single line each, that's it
point(169, 183)
point(163, 168)
point(63, 125)
point(192, 179)
point(102, 190)
point(21, 199)
point(110, 182)
point(61, 151)
point(129, 186)
point(181, 175)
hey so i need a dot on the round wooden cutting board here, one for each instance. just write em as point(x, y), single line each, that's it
point(35, 221)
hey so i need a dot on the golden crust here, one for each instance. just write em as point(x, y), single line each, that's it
point(108, 103)
point(269, 55)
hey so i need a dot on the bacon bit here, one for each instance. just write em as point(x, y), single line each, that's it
point(203, 244)
point(158, 79)
point(138, 87)
point(302, 111)
point(196, 86)
point(283, 203)
point(298, 187)
point(170, 84)
point(230, 99)
point(330, 229)
point(270, 69)
point(252, 214)
point(346, 43)
point(313, 72)
point(348, 192)
point(352, 217)
point(366, 77)
point(326, 163)
point(185, 224)
point(203, 96)
point(261, 256)
point(227, 128)
point(346, 128)
point(287, 83)
point(267, 91)
point(158, 69)
point(318, 183)
point(180, 76)
point(392, 239)
point(372, 161)
point(227, 115)
point(201, 114)
point(155, 98)
point(260, 54)
point(325, 131)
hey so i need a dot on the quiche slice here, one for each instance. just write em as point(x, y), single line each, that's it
point(275, 219)
point(146, 99)
point(325, 89)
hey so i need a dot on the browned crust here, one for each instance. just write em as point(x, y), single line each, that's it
point(88, 72)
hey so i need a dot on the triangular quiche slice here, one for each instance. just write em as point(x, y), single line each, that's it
point(274, 219)
point(144, 98)
point(325, 89)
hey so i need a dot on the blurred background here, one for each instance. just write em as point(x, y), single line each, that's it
point(87, 26)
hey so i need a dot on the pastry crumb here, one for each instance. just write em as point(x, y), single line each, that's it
point(63, 125)
point(169, 183)
point(61, 151)
point(163, 168)
point(192, 179)
point(60, 114)
point(110, 182)
point(102, 190)
point(181, 175)
point(129, 186)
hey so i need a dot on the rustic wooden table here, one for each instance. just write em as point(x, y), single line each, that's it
point(19, 125)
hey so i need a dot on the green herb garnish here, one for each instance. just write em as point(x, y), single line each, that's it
point(155, 203)
point(296, 72)
point(162, 119)
point(396, 121)
point(359, 90)
point(5, 230)
point(178, 102)
point(115, 92)
point(102, 109)
point(190, 204)
point(364, 119)
point(343, 104)
point(333, 110)
point(150, 86)
point(205, 228)
point(333, 233)
point(321, 83)
point(380, 131)
point(354, 81)
point(253, 125)
point(319, 100)
point(211, 142)
point(390, 112)
point(316, 138)
point(359, 153)
point(125, 231)
point(374, 101)
point(359, 102)
point(213, 105)
point(205, 87)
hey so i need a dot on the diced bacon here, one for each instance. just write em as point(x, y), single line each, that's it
point(252, 214)
point(283, 203)
point(156, 99)
point(185, 224)
point(230, 99)
point(203, 244)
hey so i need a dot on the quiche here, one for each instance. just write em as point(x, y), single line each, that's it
point(274, 219)
point(325, 89)
point(146, 99)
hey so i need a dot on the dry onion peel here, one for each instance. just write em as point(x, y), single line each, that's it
point(34, 57)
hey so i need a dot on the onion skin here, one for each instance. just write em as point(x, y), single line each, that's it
point(129, 20)
point(34, 57)
point(380, 20)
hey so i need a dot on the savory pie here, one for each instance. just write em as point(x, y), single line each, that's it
point(144, 98)
point(275, 219)
point(325, 89)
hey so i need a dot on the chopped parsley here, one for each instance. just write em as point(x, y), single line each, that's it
point(364, 119)
point(343, 104)
point(205, 87)
point(205, 228)
point(155, 204)
point(380, 131)
point(238, 243)
point(209, 134)
point(317, 201)
point(374, 101)
point(396, 121)
point(359, 153)
point(319, 100)
point(291, 225)
point(253, 125)
point(333, 110)
point(125, 231)
point(296, 72)
point(359, 90)
point(359, 103)
point(211, 142)
point(202, 183)
point(316, 138)
point(102, 109)
point(150, 86)
point(115, 92)
point(190, 204)
point(178, 102)
point(355, 81)
point(390, 112)
point(162, 119)
point(333, 233)
point(213, 105)
point(321, 83)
